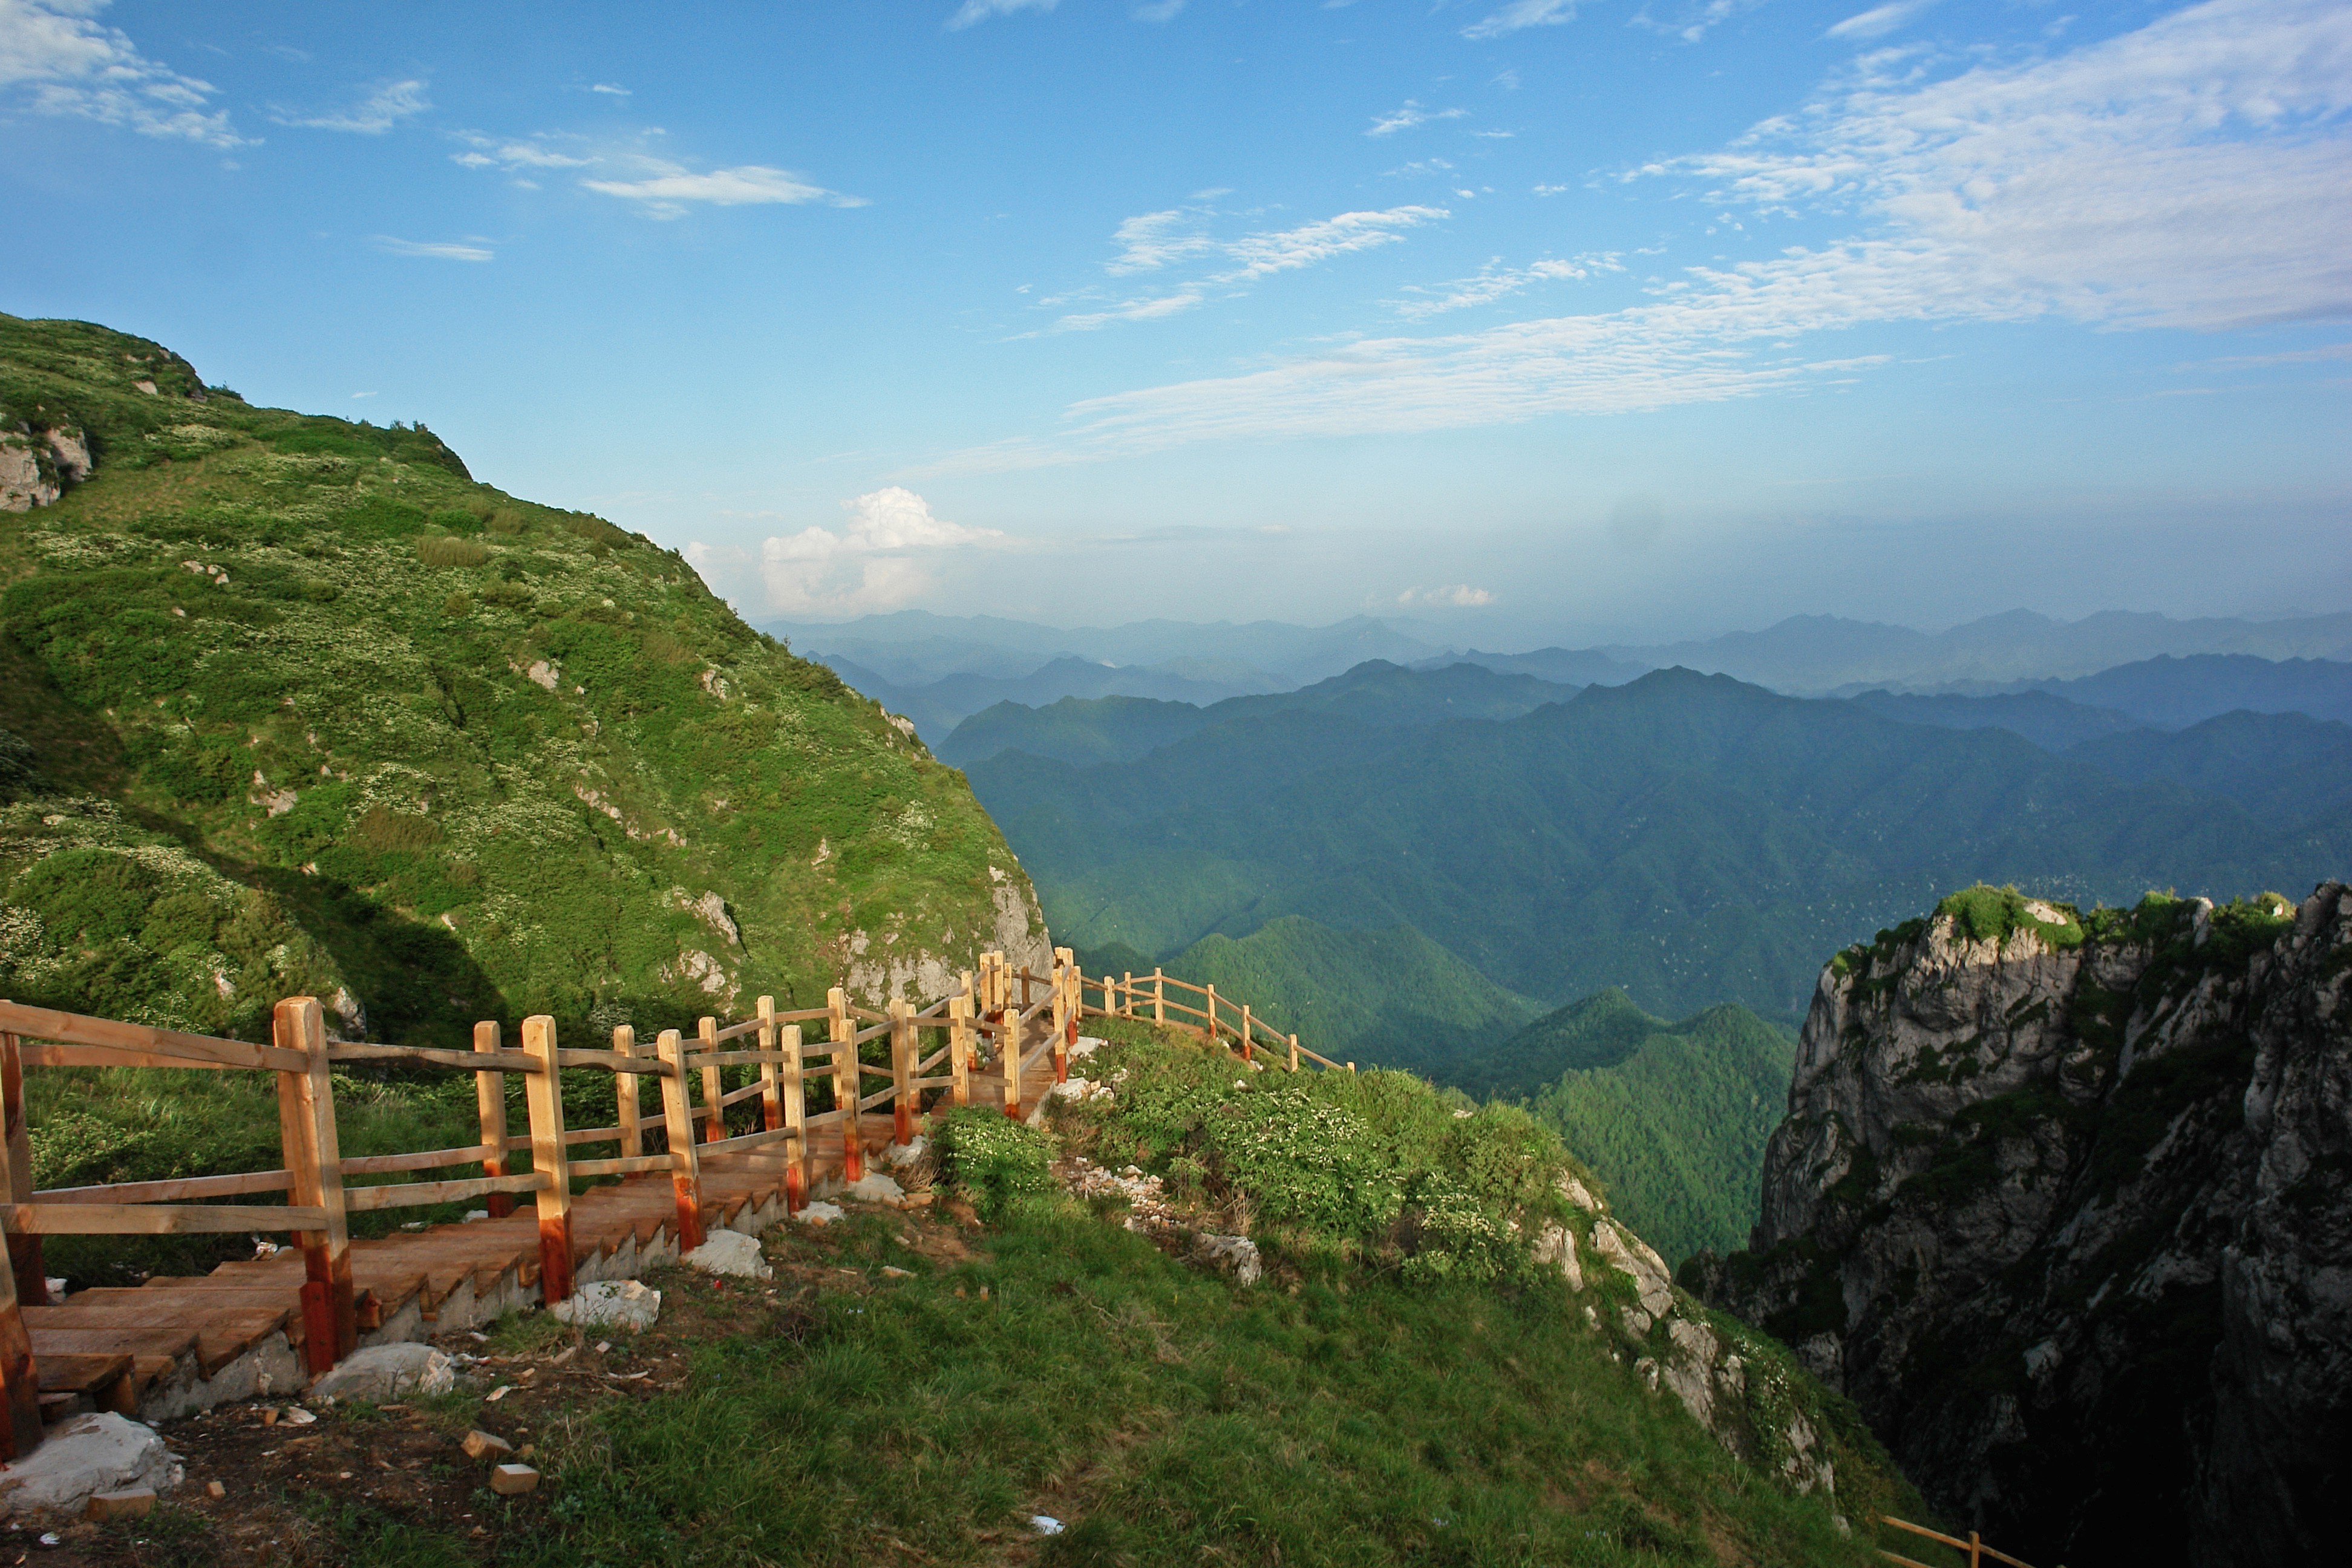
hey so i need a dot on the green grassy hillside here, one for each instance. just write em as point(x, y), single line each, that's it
point(1689, 838)
point(1671, 1117)
point(296, 704)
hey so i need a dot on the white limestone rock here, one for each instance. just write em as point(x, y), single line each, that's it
point(1234, 1254)
point(820, 1214)
point(874, 1187)
point(611, 1304)
point(1633, 1256)
point(85, 1455)
point(383, 1373)
point(1555, 1247)
point(732, 1253)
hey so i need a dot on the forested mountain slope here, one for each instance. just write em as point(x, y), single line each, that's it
point(296, 704)
point(1688, 837)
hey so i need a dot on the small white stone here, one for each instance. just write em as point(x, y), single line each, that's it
point(906, 1153)
point(874, 1187)
point(731, 1252)
point(57, 1290)
point(383, 1373)
point(611, 1304)
point(820, 1212)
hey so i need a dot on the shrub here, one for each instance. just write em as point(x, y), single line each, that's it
point(993, 1160)
point(456, 520)
point(439, 551)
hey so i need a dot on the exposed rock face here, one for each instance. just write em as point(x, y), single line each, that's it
point(2066, 1209)
point(37, 465)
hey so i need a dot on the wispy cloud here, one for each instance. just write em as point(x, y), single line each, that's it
point(662, 187)
point(611, 90)
point(879, 559)
point(1410, 115)
point(437, 251)
point(59, 60)
point(669, 191)
point(1158, 11)
point(1143, 309)
point(1150, 241)
point(1288, 249)
point(2193, 173)
point(1457, 596)
point(379, 111)
point(1879, 20)
point(1521, 13)
point(1494, 281)
point(1691, 23)
point(975, 11)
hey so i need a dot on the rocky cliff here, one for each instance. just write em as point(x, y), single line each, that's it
point(2065, 1203)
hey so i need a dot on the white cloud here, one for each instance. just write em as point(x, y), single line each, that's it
point(1151, 240)
point(1289, 249)
point(972, 11)
point(666, 192)
point(1521, 13)
point(1693, 23)
point(62, 61)
point(1410, 115)
point(488, 153)
point(1460, 597)
point(613, 89)
point(1879, 20)
point(875, 562)
point(443, 251)
point(1495, 281)
point(1158, 11)
point(1145, 309)
point(2194, 174)
point(372, 116)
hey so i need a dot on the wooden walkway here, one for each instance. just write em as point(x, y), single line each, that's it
point(176, 1346)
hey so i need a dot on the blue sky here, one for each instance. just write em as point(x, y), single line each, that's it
point(1539, 321)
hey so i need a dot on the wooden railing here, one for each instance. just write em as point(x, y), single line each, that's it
point(1976, 1549)
point(997, 1004)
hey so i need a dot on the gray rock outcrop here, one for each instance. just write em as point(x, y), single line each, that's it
point(2067, 1212)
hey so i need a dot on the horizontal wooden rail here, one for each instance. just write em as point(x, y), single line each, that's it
point(736, 1031)
point(622, 1165)
point(699, 1060)
point(611, 1061)
point(426, 1160)
point(879, 1097)
point(743, 1141)
point(45, 1029)
point(177, 1189)
point(1972, 1546)
point(417, 1194)
point(428, 1056)
point(155, 1220)
point(737, 1096)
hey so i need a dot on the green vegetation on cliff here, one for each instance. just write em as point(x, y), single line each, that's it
point(303, 705)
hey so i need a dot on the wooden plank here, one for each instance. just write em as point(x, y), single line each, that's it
point(902, 1071)
point(743, 1140)
point(793, 1098)
point(418, 1194)
point(179, 1190)
point(490, 1112)
point(845, 1081)
point(306, 1124)
point(168, 1048)
point(23, 1251)
point(20, 1385)
point(611, 1061)
point(544, 1094)
point(771, 1101)
point(960, 1044)
point(737, 1096)
point(424, 1160)
point(677, 1118)
point(159, 1219)
point(1065, 1022)
point(714, 1108)
point(750, 1058)
point(625, 1094)
point(430, 1055)
point(625, 1165)
point(736, 1031)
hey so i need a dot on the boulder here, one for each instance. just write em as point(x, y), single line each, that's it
point(907, 1154)
point(1631, 1256)
point(1555, 1247)
point(1234, 1254)
point(731, 1252)
point(611, 1304)
point(383, 1373)
point(874, 1187)
point(84, 1456)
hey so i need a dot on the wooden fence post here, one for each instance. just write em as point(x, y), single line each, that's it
point(959, 1045)
point(490, 1105)
point(685, 1161)
point(771, 1090)
point(23, 1251)
point(714, 1113)
point(902, 1071)
point(1209, 1005)
point(544, 1094)
point(795, 1123)
point(20, 1381)
point(846, 1082)
point(306, 1131)
point(624, 1095)
point(1127, 993)
point(1249, 1047)
point(1009, 1042)
point(1024, 988)
point(1065, 1023)
point(1293, 1053)
point(1159, 997)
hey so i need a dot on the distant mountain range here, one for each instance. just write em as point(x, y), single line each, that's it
point(1689, 837)
point(939, 670)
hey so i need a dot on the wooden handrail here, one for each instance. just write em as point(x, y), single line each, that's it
point(1976, 1549)
point(170, 1047)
